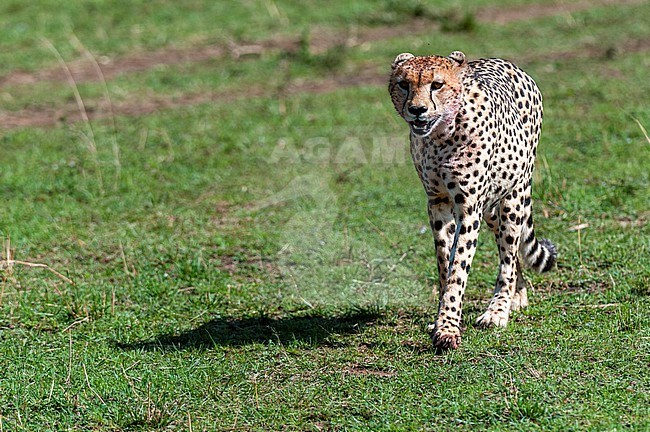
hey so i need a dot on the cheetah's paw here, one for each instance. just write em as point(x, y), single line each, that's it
point(519, 300)
point(492, 319)
point(445, 339)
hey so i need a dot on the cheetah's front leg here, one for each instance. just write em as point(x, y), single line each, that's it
point(455, 238)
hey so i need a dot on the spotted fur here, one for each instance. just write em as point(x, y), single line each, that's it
point(474, 133)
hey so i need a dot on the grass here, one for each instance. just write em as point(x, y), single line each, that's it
point(260, 263)
point(113, 27)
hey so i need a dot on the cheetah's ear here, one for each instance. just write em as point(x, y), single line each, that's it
point(401, 58)
point(458, 57)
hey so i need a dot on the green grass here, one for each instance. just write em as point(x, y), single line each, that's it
point(115, 27)
point(259, 263)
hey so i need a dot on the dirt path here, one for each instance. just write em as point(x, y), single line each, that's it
point(364, 76)
point(70, 112)
point(321, 40)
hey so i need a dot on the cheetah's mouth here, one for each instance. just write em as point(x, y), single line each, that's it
point(422, 127)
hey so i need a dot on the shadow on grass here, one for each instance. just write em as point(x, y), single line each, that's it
point(314, 329)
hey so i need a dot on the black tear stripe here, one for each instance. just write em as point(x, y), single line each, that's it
point(435, 108)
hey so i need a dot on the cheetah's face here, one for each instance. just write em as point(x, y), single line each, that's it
point(426, 91)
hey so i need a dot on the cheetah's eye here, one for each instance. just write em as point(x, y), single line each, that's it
point(404, 85)
point(436, 85)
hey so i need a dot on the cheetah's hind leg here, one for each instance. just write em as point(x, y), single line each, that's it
point(520, 297)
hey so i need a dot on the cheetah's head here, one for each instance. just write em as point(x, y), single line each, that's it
point(426, 91)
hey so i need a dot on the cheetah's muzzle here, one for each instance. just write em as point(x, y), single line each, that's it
point(422, 127)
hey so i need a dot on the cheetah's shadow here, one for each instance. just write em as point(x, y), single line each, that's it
point(314, 329)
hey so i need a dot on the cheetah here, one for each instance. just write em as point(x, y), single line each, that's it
point(474, 129)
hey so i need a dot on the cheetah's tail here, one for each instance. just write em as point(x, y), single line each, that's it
point(540, 255)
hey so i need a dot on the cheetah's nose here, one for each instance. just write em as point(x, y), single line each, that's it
point(417, 110)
